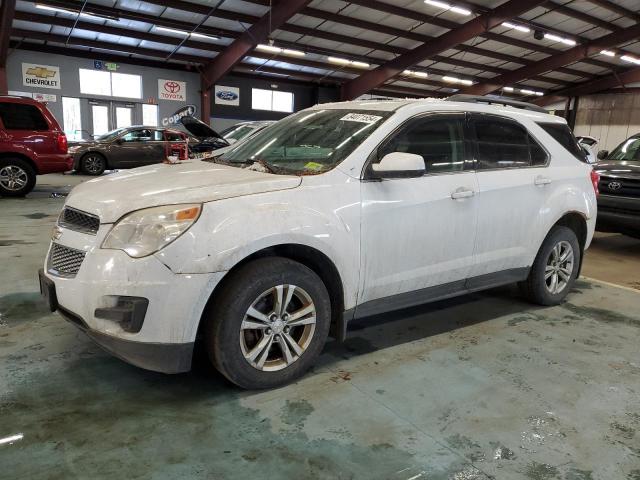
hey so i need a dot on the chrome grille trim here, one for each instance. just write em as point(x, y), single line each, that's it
point(79, 221)
point(64, 261)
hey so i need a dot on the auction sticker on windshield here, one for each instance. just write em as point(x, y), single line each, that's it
point(360, 117)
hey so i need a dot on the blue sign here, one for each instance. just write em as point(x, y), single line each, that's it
point(227, 95)
point(97, 64)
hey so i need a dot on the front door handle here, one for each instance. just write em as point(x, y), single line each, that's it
point(462, 192)
point(540, 180)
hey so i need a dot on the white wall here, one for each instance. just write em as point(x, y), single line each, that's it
point(611, 118)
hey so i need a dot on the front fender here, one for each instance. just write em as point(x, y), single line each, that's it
point(231, 230)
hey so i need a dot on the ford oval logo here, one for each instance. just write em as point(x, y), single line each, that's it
point(614, 186)
point(227, 96)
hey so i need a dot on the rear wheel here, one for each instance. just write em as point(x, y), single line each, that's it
point(17, 177)
point(555, 268)
point(93, 163)
point(269, 323)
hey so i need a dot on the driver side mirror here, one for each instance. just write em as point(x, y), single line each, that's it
point(602, 154)
point(399, 165)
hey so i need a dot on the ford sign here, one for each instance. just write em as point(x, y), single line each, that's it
point(187, 110)
point(227, 96)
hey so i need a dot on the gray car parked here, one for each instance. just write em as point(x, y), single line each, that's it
point(124, 148)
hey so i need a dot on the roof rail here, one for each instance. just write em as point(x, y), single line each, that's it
point(494, 100)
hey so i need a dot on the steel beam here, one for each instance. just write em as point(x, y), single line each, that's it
point(603, 83)
point(612, 7)
point(7, 10)
point(259, 32)
point(554, 62)
point(467, 31)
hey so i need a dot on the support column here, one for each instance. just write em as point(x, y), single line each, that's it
point(4, 83)
point(205, 101)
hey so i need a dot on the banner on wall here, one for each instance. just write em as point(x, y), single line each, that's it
point(227, 95)
point(41, 76)
point(175, 118)
point(172, 90)
point(44, 97)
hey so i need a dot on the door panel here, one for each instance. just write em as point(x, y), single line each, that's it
point(419, 233)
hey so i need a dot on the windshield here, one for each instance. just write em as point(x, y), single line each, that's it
point(110, 135)
point(308, 142)
point(237, 132)
point(627, 150)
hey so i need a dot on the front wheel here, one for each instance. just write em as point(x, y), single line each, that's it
point(93, 164)
point(268, 324)
point(17, 177)
point(555, 268)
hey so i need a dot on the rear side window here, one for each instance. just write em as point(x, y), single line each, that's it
point(504, 143)
point(563, 135)
point(18, 116)
point(439, 140)
point(173, 136)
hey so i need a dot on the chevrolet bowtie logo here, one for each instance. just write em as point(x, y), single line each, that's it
point(41, 72)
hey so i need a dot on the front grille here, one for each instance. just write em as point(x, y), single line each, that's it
point(64, 261)
point(620, 211)
point(624, 187)
point(80, 221)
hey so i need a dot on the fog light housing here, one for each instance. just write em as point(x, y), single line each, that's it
point(129, 312)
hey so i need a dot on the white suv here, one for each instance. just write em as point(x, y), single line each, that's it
point(337, 212)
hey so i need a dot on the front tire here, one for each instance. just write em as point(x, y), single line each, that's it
point(93, 163)
point(17, 177)
point(555, 268)
point(268, 324)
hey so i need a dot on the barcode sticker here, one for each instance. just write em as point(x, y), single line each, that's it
point(360, 117)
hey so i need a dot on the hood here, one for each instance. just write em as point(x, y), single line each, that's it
point(193, 181)
point(198, 128)
point(618, 169)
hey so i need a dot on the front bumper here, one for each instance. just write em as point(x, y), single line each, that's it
point(618, 214)
point(164, 342)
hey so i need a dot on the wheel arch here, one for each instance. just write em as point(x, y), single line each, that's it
point(21, 156)
point(312, 258)
point(577, 222)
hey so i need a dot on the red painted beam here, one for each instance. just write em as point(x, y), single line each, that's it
point(467, 31)
point(554, 62)
point(281, 11)
point(7, 10)
point(593, 86)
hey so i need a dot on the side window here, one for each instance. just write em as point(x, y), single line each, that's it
point(506, 144)
point(156, 135)
point(563, 135)
point(17, 116)
point(143, 135)
point(438, 140)
point(173, 136)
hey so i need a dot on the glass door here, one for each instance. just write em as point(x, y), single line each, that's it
point(107, 116)
point(100, 119)
point(123, 116)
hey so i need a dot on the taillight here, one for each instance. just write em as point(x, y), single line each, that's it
point(595, 178)
point(62, 142)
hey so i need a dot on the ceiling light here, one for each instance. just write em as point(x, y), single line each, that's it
point(627, 58)
point(446, 6)
point(556, 38)
point(449, 79)
point(520, 28)
point(608, 53)
point(50, 8)
point(344, 61)
point(413, 73)
point(508, 89)
point(172, 30)
point(278, 50)
point(539, 94)
point(203, 35)
point(531, 92)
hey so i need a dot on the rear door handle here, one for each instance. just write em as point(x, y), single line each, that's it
point(462, 192)
point(540, 180)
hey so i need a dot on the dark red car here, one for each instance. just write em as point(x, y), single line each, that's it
point(31, 143)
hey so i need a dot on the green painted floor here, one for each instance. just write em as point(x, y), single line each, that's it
point(484, 386)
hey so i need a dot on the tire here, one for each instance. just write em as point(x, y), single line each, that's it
point(237, 352)
point(539, 287)
point(93, 163)
point(17, 177)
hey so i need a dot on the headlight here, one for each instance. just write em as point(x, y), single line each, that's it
point(144, 232)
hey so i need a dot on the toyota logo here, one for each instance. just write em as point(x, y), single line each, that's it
point(614, 186)
point(172, 87)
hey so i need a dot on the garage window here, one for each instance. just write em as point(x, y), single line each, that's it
point(150, 115)
point(108, 84)
point(271, 100)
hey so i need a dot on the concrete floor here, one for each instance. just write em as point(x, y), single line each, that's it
point(484, 386)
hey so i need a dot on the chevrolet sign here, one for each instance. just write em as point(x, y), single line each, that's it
point(40, 76)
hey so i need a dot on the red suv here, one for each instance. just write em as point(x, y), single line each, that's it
point(31, 143)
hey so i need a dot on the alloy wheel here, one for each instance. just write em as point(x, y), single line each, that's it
point(278, 327)
point(13, 178)
point(559, 268)
point(93, 163)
